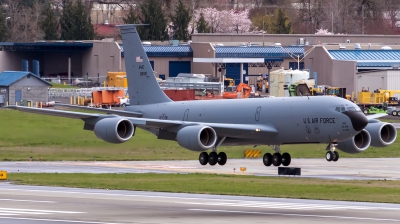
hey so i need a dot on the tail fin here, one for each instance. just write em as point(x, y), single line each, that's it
point(143, 87)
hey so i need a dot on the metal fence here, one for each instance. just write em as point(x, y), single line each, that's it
point(55, 93)
point(200, 86)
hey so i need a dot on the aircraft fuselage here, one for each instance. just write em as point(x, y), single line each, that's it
point(297, 119)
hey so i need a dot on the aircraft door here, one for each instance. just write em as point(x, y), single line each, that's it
point(186, 115)
point(257, 115)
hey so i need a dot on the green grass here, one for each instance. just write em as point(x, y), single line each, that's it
point(369, 191)
point(57, 85)
point(24, 135)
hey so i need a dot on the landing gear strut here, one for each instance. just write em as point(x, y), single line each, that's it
point(213, 158)
point(331, 155)
point(277, 158)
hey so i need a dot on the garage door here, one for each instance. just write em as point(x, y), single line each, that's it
point(233, 71)
point(176, 67)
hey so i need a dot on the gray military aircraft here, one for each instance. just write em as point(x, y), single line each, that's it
point(208, 124)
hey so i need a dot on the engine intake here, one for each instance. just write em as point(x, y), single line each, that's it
point(356, 144)
point(114, 130)
point(197, 137)
point(382, 134)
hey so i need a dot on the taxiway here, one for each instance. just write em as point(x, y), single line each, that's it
point(345, 169)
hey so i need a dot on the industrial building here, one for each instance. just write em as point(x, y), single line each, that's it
point(22, 88)
point(345, 65)
point(334, 60)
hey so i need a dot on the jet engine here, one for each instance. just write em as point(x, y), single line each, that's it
point(197, 137)
point(382, 134)
point(114, 130)
point(356, 144)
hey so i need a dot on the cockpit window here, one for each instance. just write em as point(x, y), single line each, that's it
point(347, 107)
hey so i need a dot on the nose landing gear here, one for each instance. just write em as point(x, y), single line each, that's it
point(331, 155)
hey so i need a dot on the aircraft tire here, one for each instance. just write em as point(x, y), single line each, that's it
point(267, 159)
point(203, 158)
point(329, 156)
point(336, 157)
point(212, 158)
point(277, 159)
point(286, 159)
point(222, 158)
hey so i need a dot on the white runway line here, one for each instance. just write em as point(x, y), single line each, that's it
point(58, 220)
point(296, 215)
point(291, 206)
point(17, 211)
point(16, 200)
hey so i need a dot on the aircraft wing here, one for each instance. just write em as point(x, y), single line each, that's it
point(108, 111)
point(222, 129)
point(374, 116)
point(60, 113)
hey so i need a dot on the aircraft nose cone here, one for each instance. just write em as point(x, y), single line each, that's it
point(358, 119)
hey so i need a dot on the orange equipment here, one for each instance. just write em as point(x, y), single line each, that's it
point(241, 91)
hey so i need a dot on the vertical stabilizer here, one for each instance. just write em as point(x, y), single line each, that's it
point(143, 87)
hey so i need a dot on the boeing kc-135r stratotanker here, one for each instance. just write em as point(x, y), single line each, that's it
point(207, 124)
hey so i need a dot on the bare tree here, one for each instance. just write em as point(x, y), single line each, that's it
point(24, 21)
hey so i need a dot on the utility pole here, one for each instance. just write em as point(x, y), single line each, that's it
point(298, 57)
point(332, 21)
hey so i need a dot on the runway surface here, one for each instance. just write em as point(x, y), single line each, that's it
point(36, 204)
point(345, 169)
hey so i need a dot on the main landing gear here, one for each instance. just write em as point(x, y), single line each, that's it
point(277, 158)
point(213, 158)
point(331, 155)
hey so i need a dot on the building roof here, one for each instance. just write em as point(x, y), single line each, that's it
point(369, 59)
point(9, 77)
point(222, 51)
point(46, 46)
point(256, 51)
point(165, 51)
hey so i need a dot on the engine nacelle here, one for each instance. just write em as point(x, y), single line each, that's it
point(114, 130)
point(382, 134)
point(356, 144)
point(197, 137)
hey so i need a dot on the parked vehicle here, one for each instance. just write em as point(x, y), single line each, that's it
point(80, 82)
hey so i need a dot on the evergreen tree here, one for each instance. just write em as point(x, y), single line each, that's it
point(75, 22)
point(154, 16)
point(131, 17)
point(181, 21)
point(49, 24)
point(282, 24)
point(4, 34)
point(202, 25)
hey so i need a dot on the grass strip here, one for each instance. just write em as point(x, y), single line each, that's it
point(281, 187)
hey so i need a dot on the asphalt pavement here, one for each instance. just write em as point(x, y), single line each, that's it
point(37, 204)
point(344, 169)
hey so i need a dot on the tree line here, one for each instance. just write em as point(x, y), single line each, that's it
point(30, 20)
